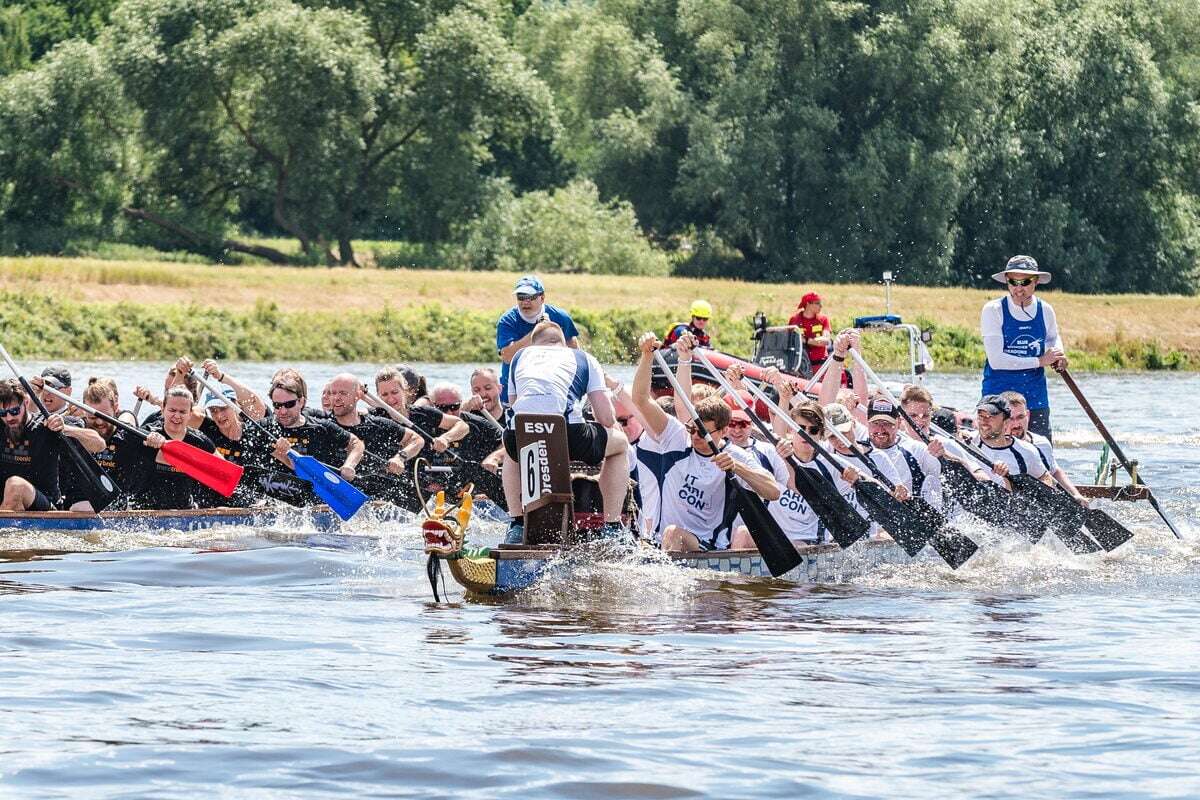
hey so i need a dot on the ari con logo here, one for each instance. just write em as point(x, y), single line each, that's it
point(539, 427)
point(534, 463)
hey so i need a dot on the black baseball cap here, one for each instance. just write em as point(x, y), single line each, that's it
point(993, 404)
point(882, 407)
point(57, 377)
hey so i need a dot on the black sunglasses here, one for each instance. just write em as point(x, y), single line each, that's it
point(1021, 281)
point(525, 298)
point(624, 420)
point(285, 404)
point(15, 411)
point(449, 408)
point(811, 430)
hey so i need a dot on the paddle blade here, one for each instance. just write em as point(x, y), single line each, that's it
point(845, 525)
point(954, 547)
point(776, 549)
point(1109, 533)
point(343, 497)
point(213, 471)
point(905, 527)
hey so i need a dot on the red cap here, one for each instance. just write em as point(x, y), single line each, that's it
point(747, 398)
point(811, 297)
point(739, 415)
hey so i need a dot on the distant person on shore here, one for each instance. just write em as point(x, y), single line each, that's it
point(701, 313)
point(815, 326)
point(1020, 337)
point(514, 329)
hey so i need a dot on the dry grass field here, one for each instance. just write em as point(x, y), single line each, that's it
point(1090, 322)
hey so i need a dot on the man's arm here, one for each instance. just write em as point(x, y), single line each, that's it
point(683, 373)
point(833, 373)
point(602, 408)
point(761, 482)
point(250, 402)
point(91, 441)
point(655, 418)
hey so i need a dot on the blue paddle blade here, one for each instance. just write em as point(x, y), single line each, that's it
point(344, 498)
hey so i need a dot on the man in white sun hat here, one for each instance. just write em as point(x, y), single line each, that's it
point(1020, 337)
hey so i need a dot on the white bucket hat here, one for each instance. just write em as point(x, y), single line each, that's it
point(1022, 265)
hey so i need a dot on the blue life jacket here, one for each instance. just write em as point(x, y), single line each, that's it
point(1024, 339)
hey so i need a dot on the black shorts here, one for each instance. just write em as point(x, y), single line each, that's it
point(586, 442)
point(40, 502)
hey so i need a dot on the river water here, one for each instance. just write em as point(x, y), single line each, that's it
point(235, 664)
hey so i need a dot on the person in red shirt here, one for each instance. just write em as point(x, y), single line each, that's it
point(816, 328)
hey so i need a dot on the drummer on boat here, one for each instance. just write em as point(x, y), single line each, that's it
point(1021, 338)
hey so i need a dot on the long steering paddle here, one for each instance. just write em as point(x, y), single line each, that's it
point(1114, 447)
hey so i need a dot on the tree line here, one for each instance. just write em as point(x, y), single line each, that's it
point(824, 140)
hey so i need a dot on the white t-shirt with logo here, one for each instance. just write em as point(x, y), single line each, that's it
point(692, 490)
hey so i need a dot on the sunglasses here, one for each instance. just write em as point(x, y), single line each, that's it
point(15, 411)
point(449, 408)
point(811, 430)
point(1021, 281)
point(691, 428)
point(737, 423)
point(624, 420)
point(285, 404)
point(525, 298)
point(700, 319)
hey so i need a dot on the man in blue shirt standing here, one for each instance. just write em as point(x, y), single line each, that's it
point(1021, 338)
point(513, 330)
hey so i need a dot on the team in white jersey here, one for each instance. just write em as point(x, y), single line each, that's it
point(687, 495)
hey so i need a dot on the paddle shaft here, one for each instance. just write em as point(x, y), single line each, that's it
point(412, 426)
point(1112, 444)
point(136, 431)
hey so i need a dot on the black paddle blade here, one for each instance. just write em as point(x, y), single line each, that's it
point(906, 528)
point(1059, 511)
point(845, 525)
point(1109, 533)
point(955, 547)
point(99, 489)
point(777, 551)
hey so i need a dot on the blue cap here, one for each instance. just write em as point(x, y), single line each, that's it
point(529, 284)
point(214, 401)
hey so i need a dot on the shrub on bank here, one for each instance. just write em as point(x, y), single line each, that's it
point(568, 230)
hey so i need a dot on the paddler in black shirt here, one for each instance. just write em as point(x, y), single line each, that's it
point(29, 453)
point(381, 437)
point(150, 481)
point(445, 429)
point(59, 378)
point(241, 444)
point(102, 396)
point(321, 439)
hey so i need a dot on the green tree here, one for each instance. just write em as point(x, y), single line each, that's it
point(621, 107)
point(315, 109)
point(1090, 160)
point(832, 136)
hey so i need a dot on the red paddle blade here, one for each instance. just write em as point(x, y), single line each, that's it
point(213, 471)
